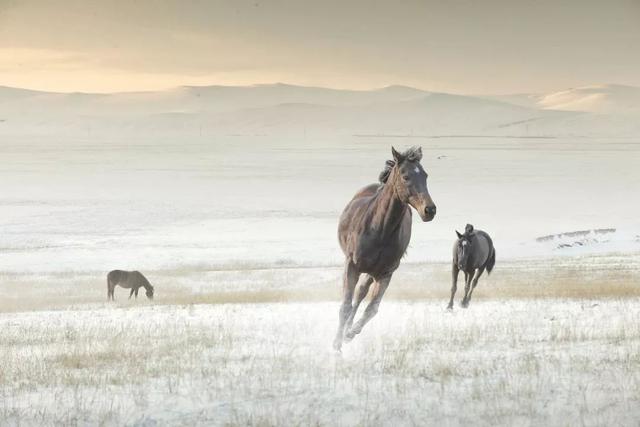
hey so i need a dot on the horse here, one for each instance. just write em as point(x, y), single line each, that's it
point(374, 231)
point(133, 280)
point(473, 252)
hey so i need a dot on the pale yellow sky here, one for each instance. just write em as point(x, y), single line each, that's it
point(491, 46)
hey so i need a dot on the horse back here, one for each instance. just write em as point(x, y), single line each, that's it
point(482, 249)
point(369, 190)
point(116, 276)
point(127, 279)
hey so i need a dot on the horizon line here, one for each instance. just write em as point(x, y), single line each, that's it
point(284, 84)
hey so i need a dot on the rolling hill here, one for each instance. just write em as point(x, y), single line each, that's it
point(281, 109)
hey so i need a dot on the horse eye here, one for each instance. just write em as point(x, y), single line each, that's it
point(405, 177)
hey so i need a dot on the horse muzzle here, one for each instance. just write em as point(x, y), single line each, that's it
point(424, 206)
point(430, 213)
point(427, 213)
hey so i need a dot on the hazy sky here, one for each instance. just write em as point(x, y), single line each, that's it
point(476, 46)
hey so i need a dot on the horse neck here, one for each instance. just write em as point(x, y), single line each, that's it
point(145, 284)
point(387, 210)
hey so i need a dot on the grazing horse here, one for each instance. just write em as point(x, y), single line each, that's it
point(374, 232)
point(473, 252)
point(133, 280)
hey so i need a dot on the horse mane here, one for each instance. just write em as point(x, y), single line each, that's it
point(468, 229)
point(384, 175)
point(413, 154)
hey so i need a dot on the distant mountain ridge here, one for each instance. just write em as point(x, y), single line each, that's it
point(602, 99)
point(282, 109)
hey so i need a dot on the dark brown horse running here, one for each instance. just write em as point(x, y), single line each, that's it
point(374, 232)
point(133, 280)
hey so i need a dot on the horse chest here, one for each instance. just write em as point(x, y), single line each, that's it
point(376, 256)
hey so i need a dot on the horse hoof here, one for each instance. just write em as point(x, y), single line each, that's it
point(350, 335)
point(337, 345)
point(464, 305)
point(450, 307)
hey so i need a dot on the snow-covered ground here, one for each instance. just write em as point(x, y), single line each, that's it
point(85, 205)
point(507, 362)
point(212, 176)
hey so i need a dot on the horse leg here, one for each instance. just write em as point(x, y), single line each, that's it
point(363, 289)
point(131, 293)
point(349, 281)
point(137, 292)
point(454, 285)
point(467, 286)
point(474, 282)
point(381, 286)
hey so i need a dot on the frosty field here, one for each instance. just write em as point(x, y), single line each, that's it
point(516, 361)
point(85, 204)
point(544, 342)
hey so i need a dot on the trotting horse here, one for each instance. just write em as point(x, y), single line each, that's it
point(473, 252)
point(374, 232)
point(133, 280)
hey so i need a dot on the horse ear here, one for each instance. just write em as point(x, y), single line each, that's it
point(459, 235)
point(396, 156)
point(418, 154)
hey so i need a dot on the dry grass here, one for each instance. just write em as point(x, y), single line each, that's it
point(589, 277)
point(544, 342)
point(531, 362)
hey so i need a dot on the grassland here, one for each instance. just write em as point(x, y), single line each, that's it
point(543, 343)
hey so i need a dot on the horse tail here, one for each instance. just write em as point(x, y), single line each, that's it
point(491, 261)
point(112, 281)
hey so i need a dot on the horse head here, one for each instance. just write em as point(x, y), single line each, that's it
point(410, 182)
